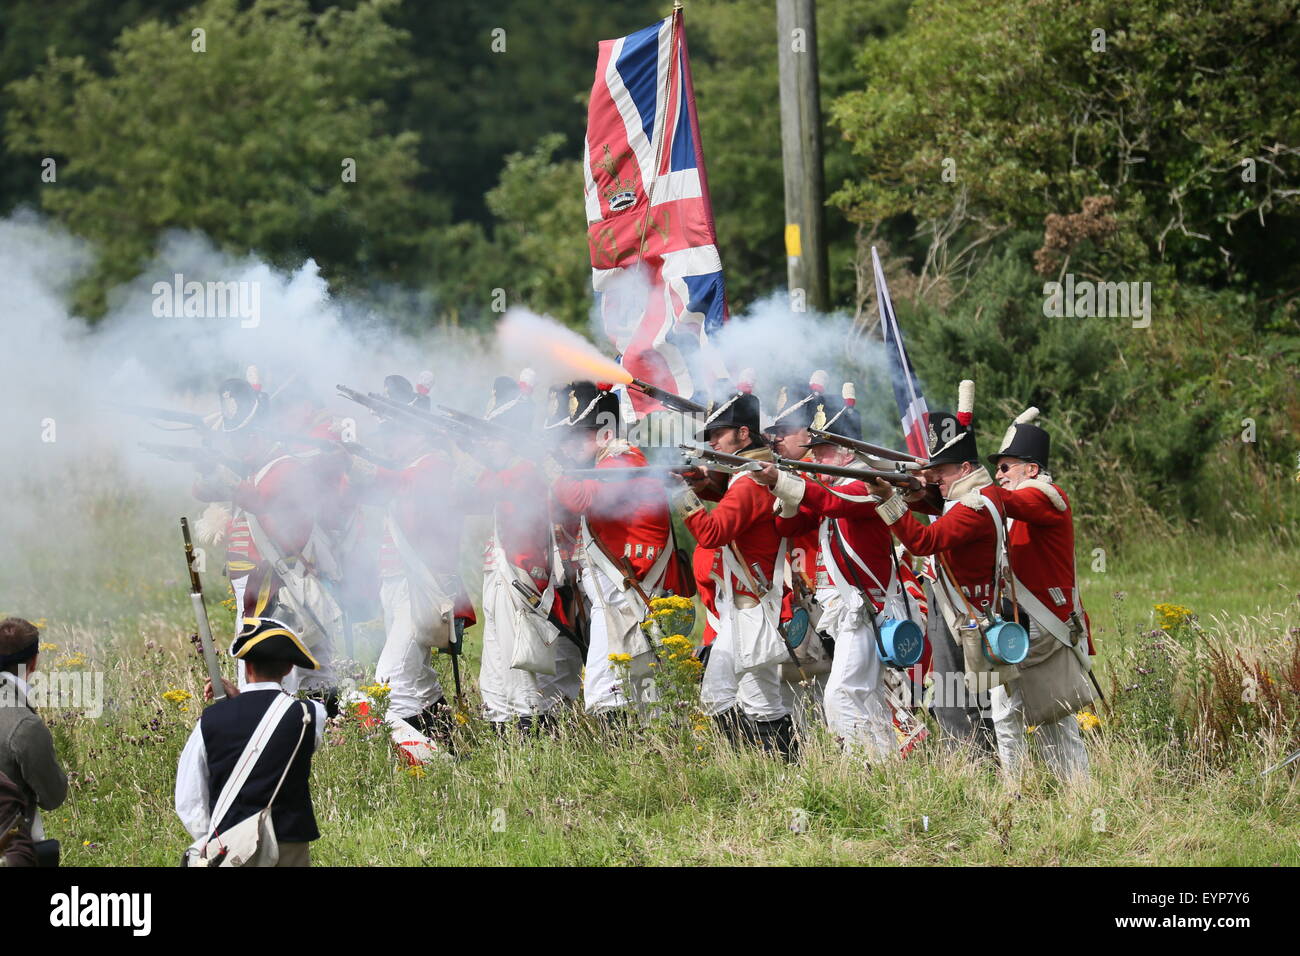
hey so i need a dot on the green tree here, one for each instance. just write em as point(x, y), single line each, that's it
point(1033, 106)
point(537, 253)
point(245, 142)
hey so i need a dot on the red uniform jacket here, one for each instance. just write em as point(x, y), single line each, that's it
point(1040, 544)
point(861, 528)
point(966, 537)
point(805, 542)
point(428, 507)
point(282, 495)
point(518, 496)
point(743, 518)
point(630, 517)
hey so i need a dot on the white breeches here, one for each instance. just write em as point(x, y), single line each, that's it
point(1060, 742)
point(856, 707)
point(760, 694)
point(404, 665)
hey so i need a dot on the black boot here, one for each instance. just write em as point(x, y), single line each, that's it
point(775, 736)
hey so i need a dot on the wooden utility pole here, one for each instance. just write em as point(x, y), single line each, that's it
point(801, 152)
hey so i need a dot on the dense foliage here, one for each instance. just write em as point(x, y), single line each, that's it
point(986, 147)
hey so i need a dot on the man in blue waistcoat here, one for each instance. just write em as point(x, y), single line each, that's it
point(269, 649)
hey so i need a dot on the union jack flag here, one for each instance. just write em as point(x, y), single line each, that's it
point(654, 254)
point(907, 390)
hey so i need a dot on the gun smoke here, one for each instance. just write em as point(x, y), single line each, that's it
point(84, 503)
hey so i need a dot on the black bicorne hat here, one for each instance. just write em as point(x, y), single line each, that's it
point(270, 639)
point(737, 409)
point(1025, 441)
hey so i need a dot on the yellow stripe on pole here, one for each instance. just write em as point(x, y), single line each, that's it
point(793, 245)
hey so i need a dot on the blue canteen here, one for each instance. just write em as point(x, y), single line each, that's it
point(1006, 642)
point(901, 642)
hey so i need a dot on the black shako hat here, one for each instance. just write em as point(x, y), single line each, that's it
point(511, 405)
point(737, 409)
point(269, 639)
point(241, 404)
point(592, 406)
point(950, 439)
point(810, 406)
point(1025, 441)
point(846, 420)
point(398, 388)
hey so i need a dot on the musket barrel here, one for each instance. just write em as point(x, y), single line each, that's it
point(847, 471)
point(866, 447)
point(201, 616)
point(665, 397)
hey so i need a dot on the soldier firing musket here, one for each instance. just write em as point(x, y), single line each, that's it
point(866, 449)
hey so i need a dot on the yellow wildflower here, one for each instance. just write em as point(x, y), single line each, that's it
point(1087, 720)
point(1173, 615)
point(177, 696)
point(72, 660)
point(620, 658)
point(46, 647)
point(417, 772)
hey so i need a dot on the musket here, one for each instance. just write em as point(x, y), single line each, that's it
point(201, 616)
point(728, 462)
point(439, 425)
point(906, 461)
point(1279, 766)
point(667, 398)
point(738, 463)
point(162, 414)
point(482, 426)
point(198, 456)
point(899, 478)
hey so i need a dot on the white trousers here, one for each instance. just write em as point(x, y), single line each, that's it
point(760, 694)
point(404, 665)
point(506, 691)
point(603, 685)
point(856, 706)
point(1060, 742)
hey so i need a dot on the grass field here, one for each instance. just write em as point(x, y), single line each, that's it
point(1169, 786)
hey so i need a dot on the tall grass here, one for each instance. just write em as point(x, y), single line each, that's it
point(1167, 788)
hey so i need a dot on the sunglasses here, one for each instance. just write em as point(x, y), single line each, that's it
point(1006, 466)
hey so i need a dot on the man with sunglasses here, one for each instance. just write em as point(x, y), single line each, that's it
point(1040, 548)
